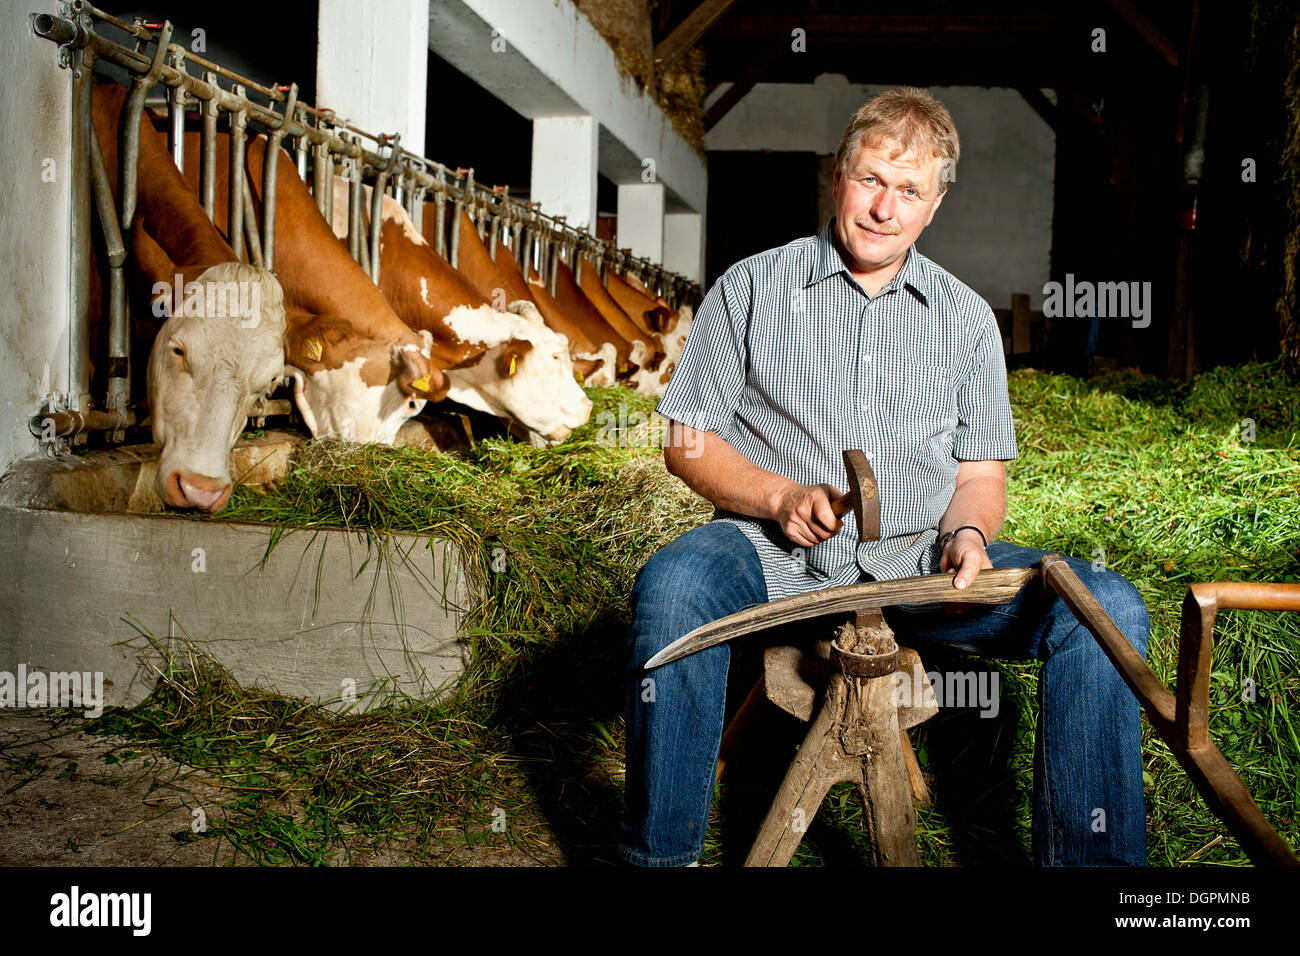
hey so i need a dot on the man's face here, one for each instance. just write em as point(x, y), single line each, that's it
point(882, 204)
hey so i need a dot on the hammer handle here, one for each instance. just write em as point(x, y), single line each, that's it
point(842, 504)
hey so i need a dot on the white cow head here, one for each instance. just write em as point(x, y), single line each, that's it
point(360, 389)
point(220, 350)
point(525, 373)
point(606, 359)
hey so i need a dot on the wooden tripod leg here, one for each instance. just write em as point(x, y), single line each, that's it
point(890, 819)
point(920, 792)
point(811, 774)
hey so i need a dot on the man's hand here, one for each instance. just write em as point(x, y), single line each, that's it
point(805, 515)
point(965, 552)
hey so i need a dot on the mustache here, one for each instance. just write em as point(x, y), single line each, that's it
point(877, 227)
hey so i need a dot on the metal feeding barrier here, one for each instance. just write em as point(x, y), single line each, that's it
point(321, 143)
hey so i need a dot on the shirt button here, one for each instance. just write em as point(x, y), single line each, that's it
point(867, 357)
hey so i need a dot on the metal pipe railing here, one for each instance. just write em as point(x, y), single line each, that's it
point(235, 188)
point(176, 118)
point(208, 162)
point(376, 206)
point(270, 165)
point(83, 131)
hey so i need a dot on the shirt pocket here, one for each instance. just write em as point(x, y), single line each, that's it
point(920, 404)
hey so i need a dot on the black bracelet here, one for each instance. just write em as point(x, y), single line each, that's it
point(948, 536)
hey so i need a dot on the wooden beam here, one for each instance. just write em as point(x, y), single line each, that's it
point(1020, 322)
point(738, 89)
point(827, 28)
point(697, 23)
point(1137, 21)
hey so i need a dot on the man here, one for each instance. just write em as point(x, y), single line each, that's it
point(853, 339)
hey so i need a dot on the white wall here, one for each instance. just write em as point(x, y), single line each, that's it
point(35, 104)
point(372, 65)
point(994, 229)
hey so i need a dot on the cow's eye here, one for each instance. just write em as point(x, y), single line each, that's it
point(177, 350)
point(412, 405)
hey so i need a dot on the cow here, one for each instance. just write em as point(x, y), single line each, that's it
point(358, 371)
point(216, 353)
point(504, 363)
point(645, 379)
point(641, 305)
point(574, 304)
point(500, 281)
point(642, 308)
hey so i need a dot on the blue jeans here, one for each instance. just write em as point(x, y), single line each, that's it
point(1088, 808)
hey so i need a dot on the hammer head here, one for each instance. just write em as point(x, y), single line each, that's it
point(863, 495)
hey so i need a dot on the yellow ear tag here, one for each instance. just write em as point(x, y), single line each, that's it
point(421, 383)
point(513, 360)
point(314, 349)
point(577, 373)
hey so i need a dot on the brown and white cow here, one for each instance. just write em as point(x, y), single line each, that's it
point(222, 346)
point(569, 311)
point(646, 377)
point(641, 306)
point(500, 281)
point(574, 304)
point(358, 371)
point(504, 363)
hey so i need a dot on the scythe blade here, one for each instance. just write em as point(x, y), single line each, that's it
point(991, 586)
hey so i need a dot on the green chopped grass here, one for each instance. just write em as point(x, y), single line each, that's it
point(1159, 479)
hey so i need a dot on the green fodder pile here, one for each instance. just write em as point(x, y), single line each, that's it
point(1168, 484)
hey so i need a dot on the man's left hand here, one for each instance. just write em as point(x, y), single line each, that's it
point(965, 552)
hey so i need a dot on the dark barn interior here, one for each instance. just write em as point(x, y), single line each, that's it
point(1151, 136)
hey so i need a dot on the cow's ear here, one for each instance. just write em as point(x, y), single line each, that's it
point(510, 357)
point(584, 367)
point(527, 310)
point(416, 375)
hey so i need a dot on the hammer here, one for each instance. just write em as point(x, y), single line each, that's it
point(863, 496)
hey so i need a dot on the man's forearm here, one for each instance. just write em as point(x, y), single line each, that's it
point(716, 471)
point(980, 501)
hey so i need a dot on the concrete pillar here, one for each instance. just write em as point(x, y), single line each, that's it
point(565, 150)
point(684, 244)
point(35, 180)
point(641, 220)
point(373, 69)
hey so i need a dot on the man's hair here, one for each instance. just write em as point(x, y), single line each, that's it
point(912, 117)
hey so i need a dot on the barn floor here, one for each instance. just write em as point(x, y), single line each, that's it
point(69, 798)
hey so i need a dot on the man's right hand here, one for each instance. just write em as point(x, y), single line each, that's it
point(805, 515)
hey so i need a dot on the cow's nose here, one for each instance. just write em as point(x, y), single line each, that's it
point(188, 490)
point(560, 433)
